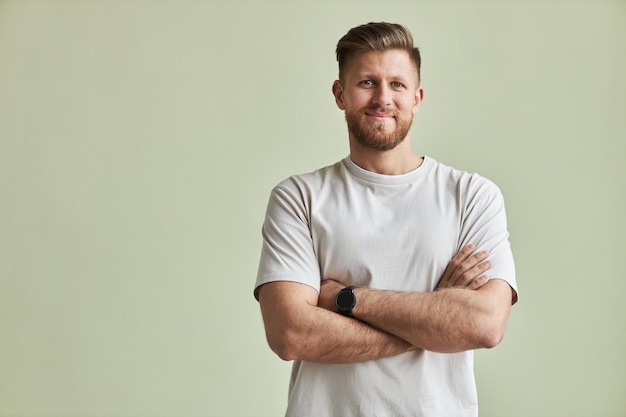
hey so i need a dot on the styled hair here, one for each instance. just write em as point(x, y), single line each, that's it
point(376, 37)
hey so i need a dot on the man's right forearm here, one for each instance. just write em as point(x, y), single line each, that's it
point(303, 331)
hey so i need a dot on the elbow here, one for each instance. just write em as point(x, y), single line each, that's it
point(287, 309)
point(492, 332)
point(491, 339)
point(492, 323)
point(284, 345)
point(284, 351)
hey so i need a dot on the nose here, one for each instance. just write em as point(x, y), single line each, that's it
point(382, 95)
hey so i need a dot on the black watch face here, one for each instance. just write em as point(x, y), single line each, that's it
point(345, 300)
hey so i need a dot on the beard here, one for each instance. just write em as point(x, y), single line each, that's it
point(376, 136)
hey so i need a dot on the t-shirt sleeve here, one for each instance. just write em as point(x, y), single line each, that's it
point(484, 223)
point(288, 253)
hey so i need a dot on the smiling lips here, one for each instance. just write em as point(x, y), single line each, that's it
point(380, 116)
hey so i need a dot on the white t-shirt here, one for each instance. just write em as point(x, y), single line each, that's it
point(391, 232)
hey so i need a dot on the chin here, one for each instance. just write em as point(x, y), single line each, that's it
point(379, 144)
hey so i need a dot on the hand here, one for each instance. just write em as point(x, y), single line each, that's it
point(465, 270)
point(328, 291)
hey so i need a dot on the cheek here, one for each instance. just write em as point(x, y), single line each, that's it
point(410, 105)
point(357, 100)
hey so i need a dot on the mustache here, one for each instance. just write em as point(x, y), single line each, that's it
point(381, 111)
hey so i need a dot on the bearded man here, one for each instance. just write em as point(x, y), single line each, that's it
point(380, 274)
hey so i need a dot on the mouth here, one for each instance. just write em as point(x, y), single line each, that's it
point(380, 116)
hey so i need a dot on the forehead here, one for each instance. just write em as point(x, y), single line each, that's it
point(389, 63)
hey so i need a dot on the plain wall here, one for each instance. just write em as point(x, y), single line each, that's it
point(139, 141)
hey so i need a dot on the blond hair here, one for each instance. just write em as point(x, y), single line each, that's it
point(376, 37)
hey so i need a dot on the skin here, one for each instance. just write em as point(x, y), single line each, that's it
point(376, 84)
point(302, 324)
point(380, 92)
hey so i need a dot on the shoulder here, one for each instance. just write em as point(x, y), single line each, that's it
point(463, 182)
point(311, 182)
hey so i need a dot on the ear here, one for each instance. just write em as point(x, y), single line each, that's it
point(419, 96)
point(338, 93)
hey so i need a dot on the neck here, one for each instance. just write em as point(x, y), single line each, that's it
point(396, 161)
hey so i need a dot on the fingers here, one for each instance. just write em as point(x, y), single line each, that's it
point(454, 264)
point(464, 260)
point(466, 269)
point(470, 269)
point(478, 282)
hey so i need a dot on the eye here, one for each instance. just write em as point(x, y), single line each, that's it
point(397, 84)
point(366, 83)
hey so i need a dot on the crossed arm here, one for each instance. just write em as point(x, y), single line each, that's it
point(467, 311)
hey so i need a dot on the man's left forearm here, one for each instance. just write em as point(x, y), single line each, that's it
point(448, 320)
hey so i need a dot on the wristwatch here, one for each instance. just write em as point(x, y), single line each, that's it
point(345, 301)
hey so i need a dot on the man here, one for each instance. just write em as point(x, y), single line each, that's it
point(372, 274)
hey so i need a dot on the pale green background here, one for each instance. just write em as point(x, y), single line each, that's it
point(139, 141)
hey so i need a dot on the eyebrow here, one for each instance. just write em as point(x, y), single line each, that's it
point(369, 75)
